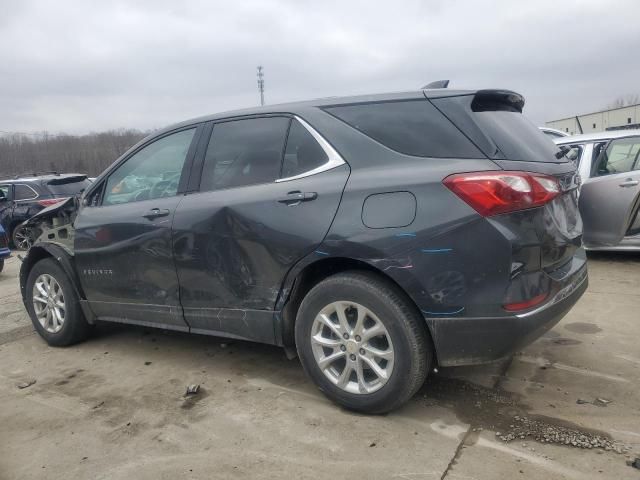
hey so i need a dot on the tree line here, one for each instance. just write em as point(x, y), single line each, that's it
point(91, 154)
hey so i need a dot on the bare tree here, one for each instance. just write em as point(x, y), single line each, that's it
point(625, 101)
point(90, 154)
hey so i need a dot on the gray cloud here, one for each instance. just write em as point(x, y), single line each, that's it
point(86, 66)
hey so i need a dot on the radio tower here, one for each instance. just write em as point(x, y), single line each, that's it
point(261, 84)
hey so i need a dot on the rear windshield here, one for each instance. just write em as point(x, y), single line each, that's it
point(500, 133)
point(73, 186)
point(413, 127)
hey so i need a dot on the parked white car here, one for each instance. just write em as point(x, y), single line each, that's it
point(609, 164)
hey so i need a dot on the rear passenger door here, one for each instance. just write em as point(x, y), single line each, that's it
point(267, 194)
point(609, 200)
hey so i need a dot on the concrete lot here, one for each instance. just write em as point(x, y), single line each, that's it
point(113, 407)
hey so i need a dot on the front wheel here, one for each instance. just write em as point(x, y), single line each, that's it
point(54, 306)
point(362, 343)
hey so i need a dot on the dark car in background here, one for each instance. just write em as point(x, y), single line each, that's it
point(21, 197)
point(376, 236)
point(4, 248)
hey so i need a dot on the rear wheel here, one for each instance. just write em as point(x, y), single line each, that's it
point(362, 343)
point(54, 306)
point(1, 264)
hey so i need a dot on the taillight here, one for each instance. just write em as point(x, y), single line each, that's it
point(492, 193)
point(524, 305)
point(50, 201)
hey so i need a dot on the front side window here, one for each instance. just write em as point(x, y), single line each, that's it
point(244, 152)
point(24, 192)
point(303, 153)
point(153, 172)
point(620, 156)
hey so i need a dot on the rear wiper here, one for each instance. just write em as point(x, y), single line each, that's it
point(563, 151)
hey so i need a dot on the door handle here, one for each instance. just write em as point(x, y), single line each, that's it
point(155, 213)
point(294, 198)
point(629, 183)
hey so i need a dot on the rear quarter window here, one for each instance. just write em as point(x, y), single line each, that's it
point(413, 127)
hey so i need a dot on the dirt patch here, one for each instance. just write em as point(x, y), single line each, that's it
point(582, 327)
point(505, 413)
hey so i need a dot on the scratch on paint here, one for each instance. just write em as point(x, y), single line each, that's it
point(398, 266)
point(321, 253)
point(443, 313)
point(436, 250)
point(405, 234)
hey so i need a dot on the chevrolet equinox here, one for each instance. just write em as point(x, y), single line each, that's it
point(376, 236)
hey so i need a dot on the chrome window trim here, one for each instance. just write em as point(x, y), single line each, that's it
point(25, 199)
point(335, 160)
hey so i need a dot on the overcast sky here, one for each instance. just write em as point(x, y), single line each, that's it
point(80, 66)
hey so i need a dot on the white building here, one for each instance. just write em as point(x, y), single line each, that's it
point(613, 119)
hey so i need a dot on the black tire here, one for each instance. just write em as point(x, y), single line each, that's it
point(75, 327)
point(411, 344)
point(1, 265)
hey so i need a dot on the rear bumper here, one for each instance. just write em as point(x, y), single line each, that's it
point(475, 340)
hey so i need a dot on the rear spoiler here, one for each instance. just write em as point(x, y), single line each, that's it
point(497, 100)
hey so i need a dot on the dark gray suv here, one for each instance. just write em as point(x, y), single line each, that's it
point(377, 236)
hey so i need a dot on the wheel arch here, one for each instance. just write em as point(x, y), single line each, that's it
point(313, 273)
point(41, 251)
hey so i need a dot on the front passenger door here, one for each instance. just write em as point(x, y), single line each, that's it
point(609, 199)
point(122, 241)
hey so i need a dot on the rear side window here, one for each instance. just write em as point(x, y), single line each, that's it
point(24, 192)
point(244, 152)
point(63, 187)
point(303, 153)
point(620, 156)
point(412, 127)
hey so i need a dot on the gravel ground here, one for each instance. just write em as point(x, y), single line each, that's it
point(114, 407)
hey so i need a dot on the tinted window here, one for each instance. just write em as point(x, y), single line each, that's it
point(620, 156)
point(72, 186)
point(303, 153)
point(244, 152)
point(23, 192)
point(499, 131)
point(152, 172)
point(413, 127)
point(516, 137)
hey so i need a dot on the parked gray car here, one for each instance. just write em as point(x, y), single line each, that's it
point(609, 164)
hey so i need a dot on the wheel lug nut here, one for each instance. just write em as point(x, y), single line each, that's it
point(345, 336)
point(343, 348)
point(352, 356)
point(358, 338)
point(362, 351)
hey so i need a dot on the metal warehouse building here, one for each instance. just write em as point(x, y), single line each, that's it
point(613, 119)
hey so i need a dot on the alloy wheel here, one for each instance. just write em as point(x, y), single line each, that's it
point(352, 347)
point(23, 238)
point(48, 303)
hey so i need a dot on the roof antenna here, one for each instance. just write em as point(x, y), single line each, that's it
point(436, 84)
